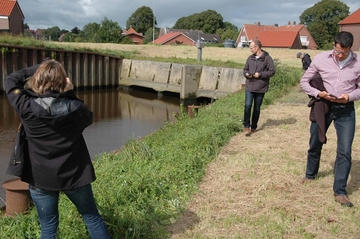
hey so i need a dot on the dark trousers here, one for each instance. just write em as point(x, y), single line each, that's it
point(250, 99)
point(343, 117)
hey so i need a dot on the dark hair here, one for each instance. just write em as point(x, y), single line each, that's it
point(344, 39)
point(257, 43)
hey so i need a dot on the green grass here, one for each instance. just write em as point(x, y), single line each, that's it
point(31, 42)
point(144, 187)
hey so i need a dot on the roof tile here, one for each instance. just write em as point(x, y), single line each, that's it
point(353, 18)
point(166, 37)
point(6, 7)
point(278, 38)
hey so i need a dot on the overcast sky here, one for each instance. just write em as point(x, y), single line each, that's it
point(67, 14)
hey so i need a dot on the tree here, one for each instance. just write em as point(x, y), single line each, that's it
point(51, 33)
point(75, 30)
point(148, 37)
point(208, 21)
point(230, 31)
point(89, 32)
point(230, 26)
point(109, 32)
point(141, 20)
point(322, 20)
point(227, 34)
point(69, 37)
point(126, 40)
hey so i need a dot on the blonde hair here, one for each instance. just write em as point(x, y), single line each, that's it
point(49, 76)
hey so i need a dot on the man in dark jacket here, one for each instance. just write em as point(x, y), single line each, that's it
point(305, 59)
point(58, 159)
point(259, 67)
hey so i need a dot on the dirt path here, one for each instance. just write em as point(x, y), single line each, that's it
point(257, 178)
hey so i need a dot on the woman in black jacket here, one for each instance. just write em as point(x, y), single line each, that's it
point(59, 161)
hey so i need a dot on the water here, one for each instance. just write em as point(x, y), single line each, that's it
point(118, 117)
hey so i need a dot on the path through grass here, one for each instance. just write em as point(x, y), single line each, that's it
point(253, 189)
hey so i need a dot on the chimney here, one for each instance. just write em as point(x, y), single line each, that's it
point(258, 24)
point(276, 25)
point(294, 23)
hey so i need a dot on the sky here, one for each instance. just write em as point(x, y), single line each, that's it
point(67, 14)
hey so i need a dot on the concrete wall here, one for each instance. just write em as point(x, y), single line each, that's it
point(191, 81)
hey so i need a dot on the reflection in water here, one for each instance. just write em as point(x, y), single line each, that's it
point(118, 116)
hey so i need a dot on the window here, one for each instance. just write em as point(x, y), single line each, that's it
point(303, 38)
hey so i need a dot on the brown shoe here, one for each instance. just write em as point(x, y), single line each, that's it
point(306, 180)
point(247, 131)
point(343, 200)
point(253, 131)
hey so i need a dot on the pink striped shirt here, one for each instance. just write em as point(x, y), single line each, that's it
point(337, 81)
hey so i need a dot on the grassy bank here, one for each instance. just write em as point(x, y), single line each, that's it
point(173, 54)
point(217, 56)
point(145, 186)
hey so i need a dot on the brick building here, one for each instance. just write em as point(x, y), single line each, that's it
point(11, 17)
point(352, 24)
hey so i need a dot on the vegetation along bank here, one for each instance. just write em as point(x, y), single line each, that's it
point(144, 187)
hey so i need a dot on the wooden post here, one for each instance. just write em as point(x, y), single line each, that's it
point(17, 197)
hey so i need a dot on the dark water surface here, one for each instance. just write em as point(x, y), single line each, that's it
point(118, 117)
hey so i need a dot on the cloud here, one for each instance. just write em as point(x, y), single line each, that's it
point(66, 14)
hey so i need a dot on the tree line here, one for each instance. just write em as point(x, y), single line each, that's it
point(321, 20)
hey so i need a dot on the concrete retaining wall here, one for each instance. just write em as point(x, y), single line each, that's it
point(191, 81)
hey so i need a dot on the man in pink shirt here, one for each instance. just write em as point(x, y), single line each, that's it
point(340, 73)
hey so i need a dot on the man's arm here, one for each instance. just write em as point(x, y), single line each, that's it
point(268, 69)
point(246, 69)
point(305, 81)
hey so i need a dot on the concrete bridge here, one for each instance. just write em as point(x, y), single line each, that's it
point(89, 70)
point(191, 81)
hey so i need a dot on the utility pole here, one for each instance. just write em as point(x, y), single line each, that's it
point(154, 21)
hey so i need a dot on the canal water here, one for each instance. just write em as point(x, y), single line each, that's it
point(118, 117)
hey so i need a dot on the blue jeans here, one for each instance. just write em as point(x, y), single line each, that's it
point(46, 203)
point(344, 122)
point(249, 98)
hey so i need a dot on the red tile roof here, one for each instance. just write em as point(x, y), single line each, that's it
point(278, 38)
point(253, 30)
point(353, 18)
point(167, 37)
point(6, 7)
point(132, 31)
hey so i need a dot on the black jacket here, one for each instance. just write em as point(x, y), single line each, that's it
point(319, 108)
point(58, 155)
point(264, 65)
point(306, 61)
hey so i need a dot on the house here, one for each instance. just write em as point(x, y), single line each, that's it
point(136, 37)
point(352, 24)
point(290, 36)
point(11, 17)
point(188, 37)
point(38, 34)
